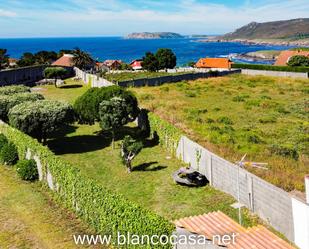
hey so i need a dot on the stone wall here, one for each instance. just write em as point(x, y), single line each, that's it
point(275, 73)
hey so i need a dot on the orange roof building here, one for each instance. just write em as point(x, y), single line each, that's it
point(218, 224)
point(214, 63)
point(284, 56)
point(65, 61)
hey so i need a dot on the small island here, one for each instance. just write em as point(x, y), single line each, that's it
point(155, 35)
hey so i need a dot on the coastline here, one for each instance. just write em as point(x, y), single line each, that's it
point(302, 43)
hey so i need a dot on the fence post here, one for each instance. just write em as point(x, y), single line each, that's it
point(209, 169)
point(307, 188)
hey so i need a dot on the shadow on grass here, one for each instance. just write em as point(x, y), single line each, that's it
point(145, 167)
point(70, 86)
point(78, 144)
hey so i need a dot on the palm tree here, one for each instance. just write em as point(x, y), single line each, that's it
point(82, 59)
point(4, 57)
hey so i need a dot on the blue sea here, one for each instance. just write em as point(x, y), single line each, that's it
point(102, 48)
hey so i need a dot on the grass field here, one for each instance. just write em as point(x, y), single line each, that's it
point(150, 184)
point(135, 75)
point(263, 117)
point(29, 219)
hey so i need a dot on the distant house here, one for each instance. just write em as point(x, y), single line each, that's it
point(214, 63)
point(113, 64)
point(100, 66)
point(136, 64)
point(12, 62)
point(65, 61)
point(285, 56)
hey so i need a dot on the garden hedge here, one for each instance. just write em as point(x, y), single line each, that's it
point(9, 90)
point(169, 135)
point(105, 211)
point(271, 68)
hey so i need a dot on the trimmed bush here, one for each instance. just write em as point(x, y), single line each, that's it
point(9, 154)
point(41, 119)
point(3, 140)
point(271, 68)
point(105, 211)
point(27, 170)
point(87, 106)
point(7, 102)
point(9, 90)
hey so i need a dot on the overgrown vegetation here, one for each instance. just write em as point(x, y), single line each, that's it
point(264, 117)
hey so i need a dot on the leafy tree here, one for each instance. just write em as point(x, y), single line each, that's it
point(4, 57)
point(125, 66)
point(166, 58)
point(7, 102)
point(41, 119)
point(45, 57)
point(150, 62)
point(298, 61)
point(129, 150)
point(82, 59)
point(27, 59)
point(55, 73)
point(113, 114)
point(87, 106)
point(191, 64)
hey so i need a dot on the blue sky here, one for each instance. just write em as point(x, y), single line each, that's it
point(61, 18)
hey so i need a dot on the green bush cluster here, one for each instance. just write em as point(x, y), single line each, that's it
point(9, 90)
point(271, 68)
point(87, 106)
point(105, 211)
point(7, 102)
point(27, 170)
point(8, 154)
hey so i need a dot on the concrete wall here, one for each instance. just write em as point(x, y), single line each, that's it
point(275, 73)
point(25, 75)
point(277, 207)
point(173, 78)
point(92, 79)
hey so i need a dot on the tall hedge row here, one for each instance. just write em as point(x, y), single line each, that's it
point(169, 135)
point(104, 210)
point(9, 90)
point(271, 68)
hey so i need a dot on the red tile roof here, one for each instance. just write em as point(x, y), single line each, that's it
point(217, 223)
point(284, 56)
point(64, 61)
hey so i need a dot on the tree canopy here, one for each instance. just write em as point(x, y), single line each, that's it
point(150, 62)
point(113, 115)
point(299, 61)
point(55, 73)
point(39, 58)
point(82, 59)
point(41, 119)
point(7, 102)
point(87, 106)
point(4, 57)
point(129, 150)
point(166, 58)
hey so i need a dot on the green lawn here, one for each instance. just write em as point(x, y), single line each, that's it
point(264, 117)
point(29, 219)
point(135, 75)
point(150, 184)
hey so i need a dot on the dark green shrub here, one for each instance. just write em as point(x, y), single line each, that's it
point(9, 90)
point(7, 102)
point(285, 150)
point(271, 68)
point(27, 170)
point(267, 120)
point(3, 140)
point(9, 154)
point(298, 61)
point(87, 105)
point(225, 120)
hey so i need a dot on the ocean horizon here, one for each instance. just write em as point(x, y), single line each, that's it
point(116, 47)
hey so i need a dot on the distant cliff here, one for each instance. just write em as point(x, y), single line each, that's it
point(156, 35)
point(294, 31)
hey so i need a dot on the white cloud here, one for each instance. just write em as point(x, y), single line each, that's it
point(6, 13)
